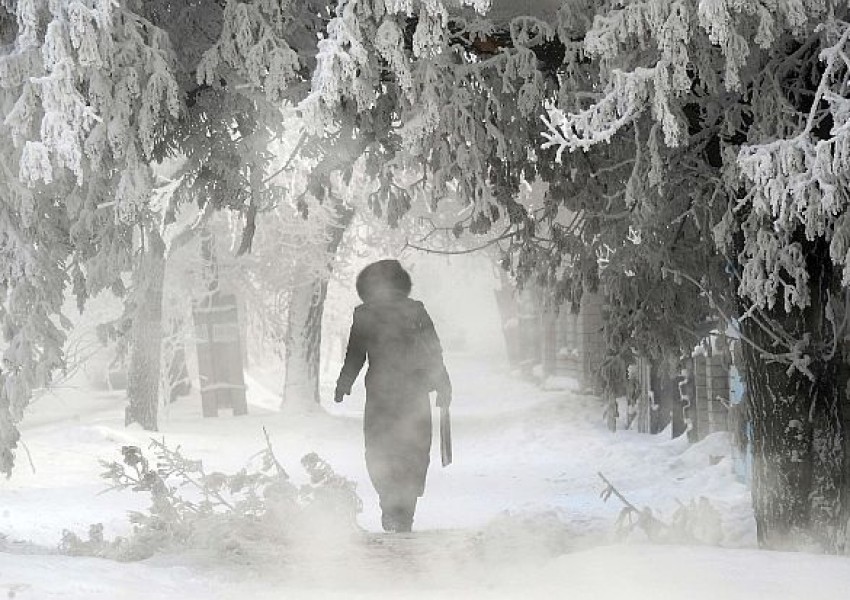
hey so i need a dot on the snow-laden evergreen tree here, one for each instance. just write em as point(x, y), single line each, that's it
point(416, 74)
point(88, 91)
point(455, 91)
point(95, 93)
point(699, 142)
point(749, 99)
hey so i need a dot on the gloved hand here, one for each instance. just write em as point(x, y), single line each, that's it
point(444, 400)
point(339, 393)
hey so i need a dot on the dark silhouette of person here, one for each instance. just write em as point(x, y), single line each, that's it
point(397, 335)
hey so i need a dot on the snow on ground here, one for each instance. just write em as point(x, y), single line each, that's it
point(518, 513)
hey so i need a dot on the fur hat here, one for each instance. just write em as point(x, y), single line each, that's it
point(383, 280)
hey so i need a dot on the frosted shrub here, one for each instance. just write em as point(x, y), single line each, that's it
point(697, 522)
point(239, 515)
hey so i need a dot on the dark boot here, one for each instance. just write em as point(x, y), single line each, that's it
point(406, 509)
point(389, 522)
point(397, 512)
point(389, 513)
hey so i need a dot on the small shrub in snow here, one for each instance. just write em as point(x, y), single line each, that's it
point(237, 514)
point(697, 522)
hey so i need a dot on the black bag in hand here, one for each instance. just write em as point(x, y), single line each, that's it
point(445, 436)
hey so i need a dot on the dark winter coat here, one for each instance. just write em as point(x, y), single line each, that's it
point(397, 336)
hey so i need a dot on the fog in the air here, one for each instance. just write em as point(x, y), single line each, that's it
point(389, 299)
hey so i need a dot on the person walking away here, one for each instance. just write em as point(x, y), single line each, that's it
point(396, 334)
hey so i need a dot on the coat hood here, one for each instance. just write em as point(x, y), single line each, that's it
point(383, 280)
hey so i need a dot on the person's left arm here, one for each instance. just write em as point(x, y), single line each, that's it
point(442, 380)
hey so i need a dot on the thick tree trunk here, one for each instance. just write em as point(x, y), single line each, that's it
point(304, 330)
point(800, 467)
point(146, 337)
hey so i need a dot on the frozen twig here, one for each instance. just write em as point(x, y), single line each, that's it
point(29, 456)
point(281, 472)
point(653, 526)
point(506, 234)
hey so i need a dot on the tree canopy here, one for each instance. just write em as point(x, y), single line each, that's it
point(94, 94)
point(692, 158)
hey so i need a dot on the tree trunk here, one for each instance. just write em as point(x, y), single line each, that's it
point(303, 343)
point(800, 467)
point(146, 337)
point(506, 301)
point(304, 329)
point(177, 380)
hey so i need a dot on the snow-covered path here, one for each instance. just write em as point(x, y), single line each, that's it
point(518, 513)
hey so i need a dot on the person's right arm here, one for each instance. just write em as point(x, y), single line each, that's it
point(355, 356)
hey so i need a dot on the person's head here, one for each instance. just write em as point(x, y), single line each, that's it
point(383, 280)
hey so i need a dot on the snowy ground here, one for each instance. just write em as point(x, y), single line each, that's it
point(518, 513)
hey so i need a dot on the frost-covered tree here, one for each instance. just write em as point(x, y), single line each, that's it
point(236, 86)
point(701, 144)
point(285, 280)
point(87, 90)
point(743, 105)
point(448, 94)
point(455, 91)
point(440, 90)
point(95, 93)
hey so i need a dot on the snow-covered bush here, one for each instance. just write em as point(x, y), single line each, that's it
point(238, 515)
point(697, 522)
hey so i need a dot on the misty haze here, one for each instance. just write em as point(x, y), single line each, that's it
point(349, 299)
